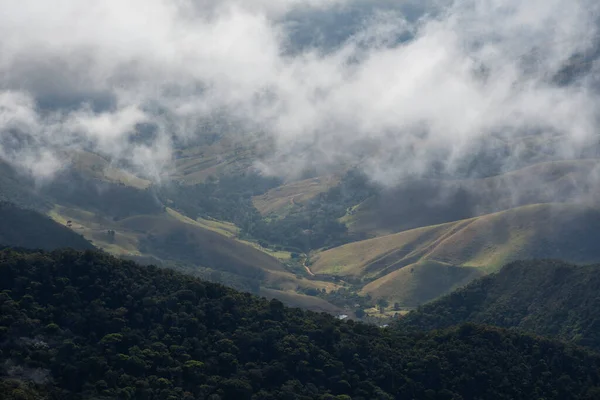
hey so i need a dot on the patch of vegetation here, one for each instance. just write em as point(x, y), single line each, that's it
point(345, 297)
point(227, 199)
point(88, 326)
point(545, 297)
point(312, 226)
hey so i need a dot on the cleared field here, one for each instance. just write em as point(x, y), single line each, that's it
point(419, 283)
point(230, 154)
point(279, 200)
point(369, 257)
point(489, 241)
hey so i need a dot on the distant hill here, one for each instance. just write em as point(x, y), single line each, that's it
point(425, 202)
point(550, 298)
point(29, 229)
point(280, 200)
point(387, 263)
point(89, 326)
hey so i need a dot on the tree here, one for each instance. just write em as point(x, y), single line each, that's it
point(382, 305)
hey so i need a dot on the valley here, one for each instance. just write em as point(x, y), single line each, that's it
point(300, 200)
point(336, 243)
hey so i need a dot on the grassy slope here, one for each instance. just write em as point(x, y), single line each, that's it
point(413, 204)
point(420, 282)
point(194, 164)
point(566, 231)
point(211, 236)
point(130, 231)
point(98, 167)
point(553, 230)
point(278, 200)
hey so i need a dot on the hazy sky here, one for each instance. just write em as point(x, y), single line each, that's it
point(79, 74)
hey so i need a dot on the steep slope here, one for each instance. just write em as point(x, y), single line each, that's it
point(27, 228)
point(169, 238)
point(565, 231)
point(550, 298)
point(167, 235)
point(419, 283)
point(417, 203)
point(88, 326)
point(205, 248)
point(552, 230)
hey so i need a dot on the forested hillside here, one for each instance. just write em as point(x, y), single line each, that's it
point(27, 228)
point(88, 326)
point(546, 297)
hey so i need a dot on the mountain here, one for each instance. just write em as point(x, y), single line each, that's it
point(550, 298)
point(417, 203)
point(89, 326)
point(126, 216)
point(335, 242)
point(27, 228)
point(417, 265)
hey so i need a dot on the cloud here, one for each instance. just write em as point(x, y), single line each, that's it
point(400, 92)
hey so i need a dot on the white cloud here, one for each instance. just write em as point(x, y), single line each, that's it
point(474, 68)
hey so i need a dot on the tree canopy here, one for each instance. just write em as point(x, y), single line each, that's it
point(85, 325)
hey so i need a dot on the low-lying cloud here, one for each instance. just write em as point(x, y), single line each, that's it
point(405, 88)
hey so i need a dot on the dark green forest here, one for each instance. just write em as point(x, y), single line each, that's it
point(85, 325)
point(544, 297)
point(312, 226)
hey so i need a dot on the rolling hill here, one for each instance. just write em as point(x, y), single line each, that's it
point(89, 326)
point(427, 236)
point(425, 202)
point(550, 298)
point(170, 237)
point(484, 244)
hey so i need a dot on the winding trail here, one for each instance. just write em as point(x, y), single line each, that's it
point(308, 270)
point(306, 267)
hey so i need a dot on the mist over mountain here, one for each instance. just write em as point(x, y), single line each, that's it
point(255, 140)
point(353, 158)
point(403, 89)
